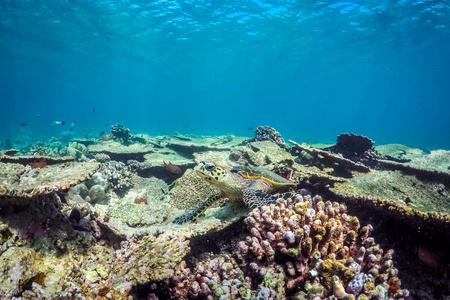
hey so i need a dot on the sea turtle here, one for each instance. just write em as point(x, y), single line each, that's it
point(254, 185)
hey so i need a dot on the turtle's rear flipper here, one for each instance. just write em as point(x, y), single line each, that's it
point(257, 198)
point(193, 215)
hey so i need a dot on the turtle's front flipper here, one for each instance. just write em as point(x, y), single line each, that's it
point(198, 211)
point(257, 198)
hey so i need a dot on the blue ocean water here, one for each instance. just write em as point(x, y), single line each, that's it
point(310, 69)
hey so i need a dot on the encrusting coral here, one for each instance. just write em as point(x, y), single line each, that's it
point(301, 248)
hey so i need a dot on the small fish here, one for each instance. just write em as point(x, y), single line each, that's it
point(93, 110)
point(59, 123)
point(23, 124)
point(72, 125)
point(106, 124)
point(101, 133)
point(174, 169)
point(250, 128)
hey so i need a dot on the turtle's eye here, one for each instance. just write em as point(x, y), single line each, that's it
point(210, 168)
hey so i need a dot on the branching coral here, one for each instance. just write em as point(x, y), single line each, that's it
point(322, 250)
point(302, 248)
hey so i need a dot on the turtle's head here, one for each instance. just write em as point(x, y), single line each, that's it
point(210, 172)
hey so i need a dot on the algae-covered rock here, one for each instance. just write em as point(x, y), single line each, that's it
point(404, 189)
point(16, 267)
point(121, 152)
point(399, 152)
point(97, 194)
point(144, 205)
point(138, 214)
point(187, 145)
point(222, 158)
point(21, 187)
point(437, 160)
point(150, 258)
point(263, 153)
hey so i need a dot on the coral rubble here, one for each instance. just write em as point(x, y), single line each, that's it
point(331, 160)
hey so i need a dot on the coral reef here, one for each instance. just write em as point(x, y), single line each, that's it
point(328, 159)
point(144, 258)
point(25, 160)
point(262, 153)
point(102, 157)
point(21, 184)
point(120, 152)
point(92, 190)
point(53, 147)
point(267, 133)
point(351, 145)
point(146, 204)
point(110, 237)
point(438, 160)
point(121, 134)
point(327, 252)
point(117, 174)
point(395, 185)
point(398, 152)
point(299, 248)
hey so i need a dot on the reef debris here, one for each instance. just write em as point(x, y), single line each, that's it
point(331, 160)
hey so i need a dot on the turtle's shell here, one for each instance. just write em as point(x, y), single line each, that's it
point(260, 173)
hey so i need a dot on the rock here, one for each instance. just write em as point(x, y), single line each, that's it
point(399, 152)
point(97, 194)
point(97, 179)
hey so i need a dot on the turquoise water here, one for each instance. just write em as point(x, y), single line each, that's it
point(312, 70)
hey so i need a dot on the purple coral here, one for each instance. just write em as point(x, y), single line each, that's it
point(302, 248)
point(322, 248)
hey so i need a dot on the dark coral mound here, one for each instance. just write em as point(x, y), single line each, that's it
point(267, 133)
point(121, 134)
point(351, 145)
